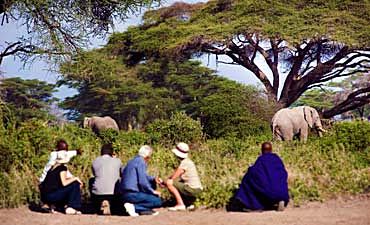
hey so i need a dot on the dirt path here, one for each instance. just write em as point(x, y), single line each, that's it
point(351, 211)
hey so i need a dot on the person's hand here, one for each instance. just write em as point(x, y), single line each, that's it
point(79, 181)
point(159, 181)
point(157, 193)
point(79, 151)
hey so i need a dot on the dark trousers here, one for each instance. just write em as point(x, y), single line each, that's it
point(142, 201)
point(69, 195)
point(114, 202)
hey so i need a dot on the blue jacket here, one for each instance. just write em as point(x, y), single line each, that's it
point(134, 177)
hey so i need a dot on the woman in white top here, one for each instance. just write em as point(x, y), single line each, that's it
point(184, 183)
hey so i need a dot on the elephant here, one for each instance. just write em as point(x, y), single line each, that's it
point(97, 123)
point(287, 123)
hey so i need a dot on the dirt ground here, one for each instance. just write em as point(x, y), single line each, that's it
point(349, 211)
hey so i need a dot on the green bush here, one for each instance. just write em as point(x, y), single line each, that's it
point(179, 127)
point(355, 135)
point(108, 135)
point(319, 169)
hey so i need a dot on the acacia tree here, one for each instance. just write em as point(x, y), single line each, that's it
point(348, 95)
point(27, 98)
point(62, 27)
point(303, 43)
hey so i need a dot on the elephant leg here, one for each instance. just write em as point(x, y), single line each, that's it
point(303, 135)
point(277, 136)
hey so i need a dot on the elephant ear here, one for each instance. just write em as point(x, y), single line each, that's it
point(308, 116)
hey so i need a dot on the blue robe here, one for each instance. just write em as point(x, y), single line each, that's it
point(264, 184)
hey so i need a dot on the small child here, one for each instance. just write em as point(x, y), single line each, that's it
point(61, 146)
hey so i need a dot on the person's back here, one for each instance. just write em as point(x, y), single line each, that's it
point(106, 170)
point(134, 177)
point(137, 187)
point(265, 185)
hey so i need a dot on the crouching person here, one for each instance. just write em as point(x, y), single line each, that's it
point(137, 187)
point(59, 189)
point(264, 186)
point(184, 184)
point(106, 171)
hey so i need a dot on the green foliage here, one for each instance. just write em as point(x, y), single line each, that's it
point(320, 169)
point(108, 135)
point(154, 89)
point(318, 98)
point(354, 135)
point(179, 128)
point(293, 21)
point(26, 99)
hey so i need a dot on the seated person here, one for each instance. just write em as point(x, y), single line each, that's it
point(265, 184)
point(60, 189)
point(106, 170)
point(137, 187)
point(184, 183)
point(61, 146)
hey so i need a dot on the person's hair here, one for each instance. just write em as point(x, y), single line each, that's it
point(107, 149)
point(62, 145)
point(145, 151)
point(266, 147)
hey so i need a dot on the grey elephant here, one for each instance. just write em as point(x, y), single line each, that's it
point(98, 124)
point(288, 123)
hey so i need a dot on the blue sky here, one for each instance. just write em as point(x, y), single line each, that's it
point(41, 70)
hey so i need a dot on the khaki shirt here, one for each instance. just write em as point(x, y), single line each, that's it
point(190, 176)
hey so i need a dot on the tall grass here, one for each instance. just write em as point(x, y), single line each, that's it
point(320, 169)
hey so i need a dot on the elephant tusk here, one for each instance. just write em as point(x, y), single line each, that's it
point(321, 129)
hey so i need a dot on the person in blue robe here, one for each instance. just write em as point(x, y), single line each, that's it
point(265, 185)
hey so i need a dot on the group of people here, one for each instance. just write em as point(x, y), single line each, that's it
point(115, 185)
point(264, 186)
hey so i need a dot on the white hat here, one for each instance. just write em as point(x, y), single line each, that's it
point(62, 157)
point(145, 151)
point(181, 150)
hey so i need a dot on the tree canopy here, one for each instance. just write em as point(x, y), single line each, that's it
point(136, 96)
point(27, 99)
point(308, 42)
point(61, 27)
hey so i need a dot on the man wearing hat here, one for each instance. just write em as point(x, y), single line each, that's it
point(184, 183)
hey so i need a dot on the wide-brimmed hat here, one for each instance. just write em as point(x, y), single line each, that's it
point(62, 157)
point(181, 150)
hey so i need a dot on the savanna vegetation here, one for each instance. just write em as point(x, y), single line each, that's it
point(323, 168)
point(147, 79)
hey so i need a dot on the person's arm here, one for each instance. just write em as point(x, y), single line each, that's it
point(143, 181)
point(49, 164)
point(68, 180)
point(177, 173)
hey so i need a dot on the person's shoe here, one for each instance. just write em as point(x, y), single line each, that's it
point(177, 208)
point(149, 213)
point(45, 208)
point(105, 207)
point(130, 209)
point(72, 211)
point(281, 206)
point(190, 208)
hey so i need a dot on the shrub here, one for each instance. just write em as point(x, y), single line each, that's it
point(179, 127)
point(321, 168)
point(355, 135)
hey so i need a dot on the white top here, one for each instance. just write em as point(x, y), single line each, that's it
point(52, 160)
point(190, 176)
